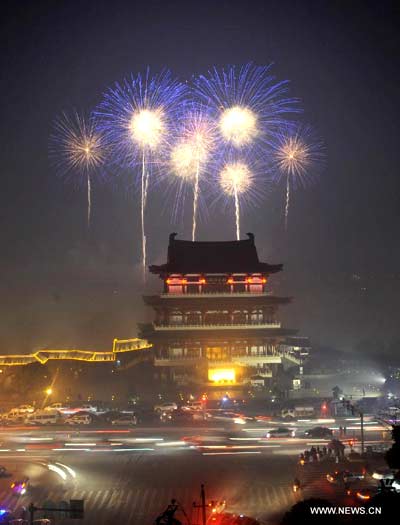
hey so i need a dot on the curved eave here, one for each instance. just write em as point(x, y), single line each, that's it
point(164, 270)
point(253, 333)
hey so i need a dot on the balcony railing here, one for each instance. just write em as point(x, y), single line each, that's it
point(216, 326)
point(248, 360)
point(214, 294)
point(177, 361)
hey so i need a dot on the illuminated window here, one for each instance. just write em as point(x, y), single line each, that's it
point(256, 316)
point(193, 317)
point(176, 317)
point(217, 353)
point(222, 375)
point(239, 317)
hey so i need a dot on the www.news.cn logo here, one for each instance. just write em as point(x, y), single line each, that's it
point(346, 510)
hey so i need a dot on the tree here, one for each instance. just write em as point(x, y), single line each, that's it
point(336, 392)
point(392, 456)
point(29, 381)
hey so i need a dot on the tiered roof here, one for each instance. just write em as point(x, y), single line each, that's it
point(213, 257)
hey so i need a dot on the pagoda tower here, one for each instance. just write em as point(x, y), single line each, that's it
point(216, 318)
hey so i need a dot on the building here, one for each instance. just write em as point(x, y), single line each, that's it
point(216, 318)
point(298, 347)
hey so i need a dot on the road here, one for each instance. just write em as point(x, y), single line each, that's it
point(129, 476)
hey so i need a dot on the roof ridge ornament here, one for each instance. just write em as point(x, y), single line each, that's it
point(251, 237)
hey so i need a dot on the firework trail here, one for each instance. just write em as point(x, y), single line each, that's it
point(137, 118)
point(287, 201)
point(236, 179)
point(191, 155)
point(195, 201)
point(237, 213)
point(77, 148)
point(89, 198)
point(297, 156)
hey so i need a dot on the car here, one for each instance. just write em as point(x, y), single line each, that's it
point(57, 406)
point(318, 432)
point(125, 420)
point(20, 486)
point(4, 473)
point(350, 477)
point(383, 473)
point(77, 409)
point(396, 485)
point(280, 432)
point(344, 476)
point(193, 406)
point(165, 407)
point(79, 419)
point(225, 518)
point(181, 416)
point(23, 409)
point(147, 415)
point(14, 416)
point(44, 417)
point(89, 408)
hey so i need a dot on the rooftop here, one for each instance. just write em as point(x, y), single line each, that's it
point(213, 257)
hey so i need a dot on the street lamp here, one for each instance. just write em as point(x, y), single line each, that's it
point(49, 391)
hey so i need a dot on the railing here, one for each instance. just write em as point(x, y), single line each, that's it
point(266, 358)
point(215, 326)
point(42, 356)
point(223, 361)
point(290, 357)
point(177, 361)
point(214, 294)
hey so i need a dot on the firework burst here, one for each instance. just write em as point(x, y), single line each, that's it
point(248, 103)
point(78, 150)
point(191, 155)
point(137, 117)
point(297, 156)
point(243, 181)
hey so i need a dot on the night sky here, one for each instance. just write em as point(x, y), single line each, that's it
point(60, 286)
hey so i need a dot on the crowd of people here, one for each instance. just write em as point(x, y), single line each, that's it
point(335, 449)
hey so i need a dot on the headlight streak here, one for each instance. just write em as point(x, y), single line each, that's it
point(230, 453)
point(71, 449)
point(70, 471)
point(41, 439)
point(57, 470)
point(170, 444)
point(132, 450)
point(80, 444)
point(235, 447)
